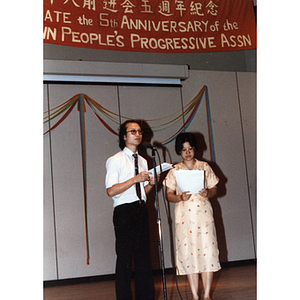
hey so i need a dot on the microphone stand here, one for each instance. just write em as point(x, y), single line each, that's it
point(159, 226)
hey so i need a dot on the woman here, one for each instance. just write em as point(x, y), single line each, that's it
point(196, 241)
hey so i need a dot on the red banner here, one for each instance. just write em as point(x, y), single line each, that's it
point(165, 26)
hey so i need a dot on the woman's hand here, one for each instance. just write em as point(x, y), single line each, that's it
point(203, 193)
point(172, 197)
point(185, 196)
point(208, 193)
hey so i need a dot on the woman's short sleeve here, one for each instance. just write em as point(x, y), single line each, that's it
point(170, 180)
point(210, 176)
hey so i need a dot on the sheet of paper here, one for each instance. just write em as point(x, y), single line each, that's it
point(164, 167)
point(191, 181)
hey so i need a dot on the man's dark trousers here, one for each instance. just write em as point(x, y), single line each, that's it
point(132, 239)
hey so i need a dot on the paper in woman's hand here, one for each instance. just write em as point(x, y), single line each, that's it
point(191, 181)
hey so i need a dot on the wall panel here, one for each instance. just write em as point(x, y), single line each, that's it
point(247, 95)
point(232, 207)
point(68, 186)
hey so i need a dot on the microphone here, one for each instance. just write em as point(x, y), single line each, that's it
point(148, 145)
point(158, 145)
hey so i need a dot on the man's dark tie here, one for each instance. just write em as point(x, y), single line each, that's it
point(137, 185)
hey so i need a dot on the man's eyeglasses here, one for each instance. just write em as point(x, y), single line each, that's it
point(187, 150)
point(134, 131)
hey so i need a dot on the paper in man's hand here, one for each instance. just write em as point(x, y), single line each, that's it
point(164, 167)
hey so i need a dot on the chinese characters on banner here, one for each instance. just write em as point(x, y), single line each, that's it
point(165, 26)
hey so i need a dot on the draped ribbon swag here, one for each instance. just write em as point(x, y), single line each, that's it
point(81, 100)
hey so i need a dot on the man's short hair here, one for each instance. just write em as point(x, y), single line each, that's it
point(122, 132)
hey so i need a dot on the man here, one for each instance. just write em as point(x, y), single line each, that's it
point(130, 217)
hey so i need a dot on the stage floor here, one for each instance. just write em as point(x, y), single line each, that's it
point(234, 283)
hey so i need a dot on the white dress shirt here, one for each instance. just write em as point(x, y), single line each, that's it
point(119, 168)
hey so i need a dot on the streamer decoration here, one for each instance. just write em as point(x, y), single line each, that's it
point(62, 111)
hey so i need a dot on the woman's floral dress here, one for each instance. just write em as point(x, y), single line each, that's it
point(195, 232)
